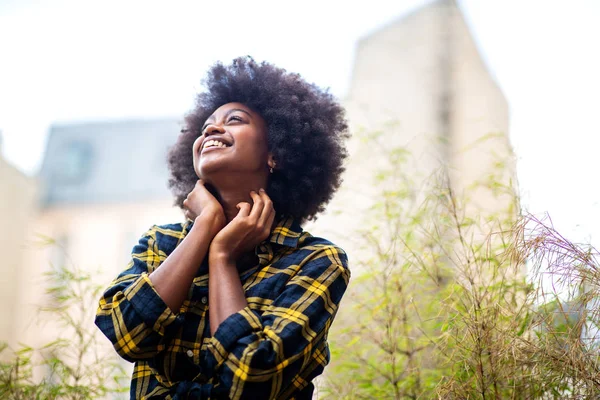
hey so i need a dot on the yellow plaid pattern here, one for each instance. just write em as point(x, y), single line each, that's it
point(271, 349)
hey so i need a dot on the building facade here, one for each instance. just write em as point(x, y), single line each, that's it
point(102, 185)
point(18, 210)
point(421, 84)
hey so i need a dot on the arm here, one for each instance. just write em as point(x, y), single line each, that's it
point(269, 355)
point(225, 293)
point(140, 307)
point(173, 278)
point(251, 226)
point(131, 313)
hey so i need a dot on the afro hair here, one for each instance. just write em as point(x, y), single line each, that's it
point(306, 132)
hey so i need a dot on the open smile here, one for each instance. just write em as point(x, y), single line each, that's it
point(206, 149)
point(211, 145)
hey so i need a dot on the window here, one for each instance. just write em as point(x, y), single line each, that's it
point(75, 162)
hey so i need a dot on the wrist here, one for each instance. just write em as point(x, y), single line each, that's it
point(218, 254)
point(213, 222)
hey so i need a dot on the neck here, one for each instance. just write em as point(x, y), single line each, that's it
point(233, 192)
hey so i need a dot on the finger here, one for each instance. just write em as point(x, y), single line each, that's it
point(266, 211)
point(269, 223)
point(203, 192)
point(244, 209)
point(200, 185)
point(265, 225)
point(267, 202)
point(257, 207)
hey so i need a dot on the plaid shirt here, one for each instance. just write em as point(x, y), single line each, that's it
point(271, 349)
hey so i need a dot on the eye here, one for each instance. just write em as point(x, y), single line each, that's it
point(234, 118)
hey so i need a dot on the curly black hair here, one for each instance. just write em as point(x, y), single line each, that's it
point(306, 130)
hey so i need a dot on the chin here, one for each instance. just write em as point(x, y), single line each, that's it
point(210, 173)
point(206, 170)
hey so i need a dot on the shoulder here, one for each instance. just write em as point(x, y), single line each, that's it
point(165, 237)
point(175, 230)
point(318, 248)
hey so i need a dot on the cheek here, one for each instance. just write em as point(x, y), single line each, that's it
point(257, 141)
point(256, 150)
point(196, 147)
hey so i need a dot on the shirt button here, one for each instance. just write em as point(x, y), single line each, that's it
point(190, 353)
point(204, 300)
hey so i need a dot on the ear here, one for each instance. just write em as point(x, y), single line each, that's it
point(271, 161)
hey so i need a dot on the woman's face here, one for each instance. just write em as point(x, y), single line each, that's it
point(233, 140)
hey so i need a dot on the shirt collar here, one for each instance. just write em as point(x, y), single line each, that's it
point(287, 232)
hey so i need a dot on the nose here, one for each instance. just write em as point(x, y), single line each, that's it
point(213, 128)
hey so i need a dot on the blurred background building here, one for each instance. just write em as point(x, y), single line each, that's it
point(421, 82)
point(102, 184)
point(18, 210)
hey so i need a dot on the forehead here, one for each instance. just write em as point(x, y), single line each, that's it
point(226, 108)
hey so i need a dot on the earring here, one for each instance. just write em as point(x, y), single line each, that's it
point(271, 168)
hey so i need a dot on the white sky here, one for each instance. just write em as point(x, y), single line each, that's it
point(64, 60)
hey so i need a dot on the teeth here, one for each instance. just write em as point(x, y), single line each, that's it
point(212, 143)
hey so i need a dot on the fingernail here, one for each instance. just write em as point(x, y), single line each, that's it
point(262, 190)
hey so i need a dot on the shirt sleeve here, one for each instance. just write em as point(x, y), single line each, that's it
point(269, 355)
point(131, 313)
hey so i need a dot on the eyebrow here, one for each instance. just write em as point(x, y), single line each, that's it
point(212, 117)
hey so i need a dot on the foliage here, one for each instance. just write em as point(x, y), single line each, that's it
point(75, 366)
point(440, 306)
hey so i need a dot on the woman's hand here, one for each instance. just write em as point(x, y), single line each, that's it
point(250, 226)
point(200, 202)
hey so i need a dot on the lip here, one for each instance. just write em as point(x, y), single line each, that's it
point(218, 138)
point(211, 148)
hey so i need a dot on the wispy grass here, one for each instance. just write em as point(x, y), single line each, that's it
point(441, 307)
point(77, 364)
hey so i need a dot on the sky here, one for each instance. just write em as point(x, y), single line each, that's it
point(67, 60)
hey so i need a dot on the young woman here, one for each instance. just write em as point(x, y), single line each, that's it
point(237, 301)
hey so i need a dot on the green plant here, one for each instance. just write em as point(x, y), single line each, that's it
point(76, 365)
point(440, 305)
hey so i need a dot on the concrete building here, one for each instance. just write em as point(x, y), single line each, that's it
point(102, 185)
point(421, 84)
point(18, 195)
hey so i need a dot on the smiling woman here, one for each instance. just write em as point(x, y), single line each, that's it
point(237, 301)
point(233, 148)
